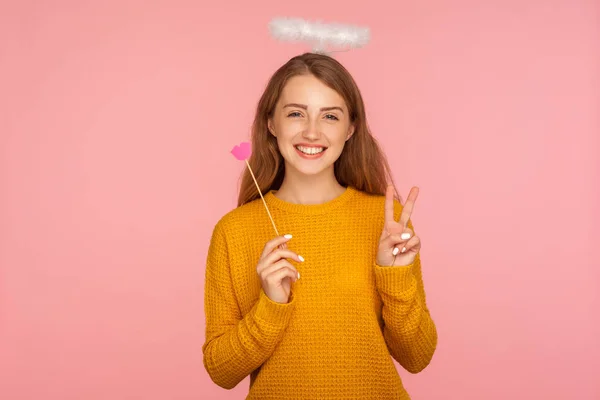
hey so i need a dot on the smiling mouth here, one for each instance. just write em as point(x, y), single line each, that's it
point(310, 151)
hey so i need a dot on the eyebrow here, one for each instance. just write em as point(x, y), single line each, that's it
point(304, 106)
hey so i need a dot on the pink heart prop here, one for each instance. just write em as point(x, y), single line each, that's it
point(241, 152)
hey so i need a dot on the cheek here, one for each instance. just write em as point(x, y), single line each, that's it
point(287, 129)
point(337, 135)
point(285, 135)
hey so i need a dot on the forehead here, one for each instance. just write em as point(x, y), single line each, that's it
point(307, 89)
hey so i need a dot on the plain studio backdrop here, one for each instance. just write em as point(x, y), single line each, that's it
point(116, 123)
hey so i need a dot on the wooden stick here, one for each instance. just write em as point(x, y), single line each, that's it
point(261, 196)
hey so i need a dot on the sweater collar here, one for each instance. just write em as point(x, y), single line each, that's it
point(309, 209)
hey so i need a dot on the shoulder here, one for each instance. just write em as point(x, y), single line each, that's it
point(237, 218)
point(375, 203)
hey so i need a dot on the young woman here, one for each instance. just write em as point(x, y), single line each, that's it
point(322, 311)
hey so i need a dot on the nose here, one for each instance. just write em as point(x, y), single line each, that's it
point(312, 130)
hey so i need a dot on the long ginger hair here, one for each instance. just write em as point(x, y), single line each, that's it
point(362, 164)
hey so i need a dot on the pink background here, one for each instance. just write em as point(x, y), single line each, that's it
point(116, 122)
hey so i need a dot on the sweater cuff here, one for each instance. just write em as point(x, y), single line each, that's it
point(274, 313)
point(395, 279)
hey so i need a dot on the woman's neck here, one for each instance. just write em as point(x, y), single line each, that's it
point(309, 189)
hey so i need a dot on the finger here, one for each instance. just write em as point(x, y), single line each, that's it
point(274, 243)
point(277, 273)
point(408, 207)
point(277, 255)
point(412, 243)
point(277, 277)
point(391, 228)
point(397, 239)
point(389, 204)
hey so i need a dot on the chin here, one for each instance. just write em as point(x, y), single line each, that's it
point(311, 171)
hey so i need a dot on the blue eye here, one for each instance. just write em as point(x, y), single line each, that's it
point(327, 116)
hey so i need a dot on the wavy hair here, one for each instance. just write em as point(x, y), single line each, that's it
point(362, 164)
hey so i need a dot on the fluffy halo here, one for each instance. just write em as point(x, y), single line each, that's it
point(320, 35)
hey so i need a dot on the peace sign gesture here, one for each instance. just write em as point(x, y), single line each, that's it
point(398, 246)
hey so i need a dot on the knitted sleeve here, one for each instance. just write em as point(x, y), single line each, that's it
point(236, 345)
point(409, 330)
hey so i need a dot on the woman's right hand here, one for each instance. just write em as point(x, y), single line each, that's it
point(275, 272)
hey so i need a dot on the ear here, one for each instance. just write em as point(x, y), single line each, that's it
point(270, 127)
point(350, 132)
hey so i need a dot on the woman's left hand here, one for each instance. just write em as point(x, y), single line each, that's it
point(398, 246)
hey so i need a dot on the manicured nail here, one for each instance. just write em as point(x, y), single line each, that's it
point(403, 249)
point(301, 258)
point(395, 251)
point(288, 236)
point(405, 236)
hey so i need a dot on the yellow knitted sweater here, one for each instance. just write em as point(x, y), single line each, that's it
point(346, 318)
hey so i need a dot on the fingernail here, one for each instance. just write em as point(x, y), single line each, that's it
point(301, 258)
point(395, 251)
point(403, 249)
point(298, 275)
point(405, 236)
point(288, 236)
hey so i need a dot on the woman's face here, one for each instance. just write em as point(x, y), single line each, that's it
point(311, 124)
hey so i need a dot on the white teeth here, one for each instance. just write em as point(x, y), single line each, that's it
point(310, 150)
